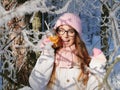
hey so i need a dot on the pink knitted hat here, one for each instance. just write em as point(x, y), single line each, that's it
point(69, 19)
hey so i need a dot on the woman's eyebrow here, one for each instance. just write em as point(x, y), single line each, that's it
point(67, 29)
point(61, 28)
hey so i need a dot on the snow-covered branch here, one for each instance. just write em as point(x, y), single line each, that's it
point(105, 80)
point(30, 7)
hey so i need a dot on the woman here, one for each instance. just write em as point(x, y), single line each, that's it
point(67, 66)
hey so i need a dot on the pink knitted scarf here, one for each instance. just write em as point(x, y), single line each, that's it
point(65, 56)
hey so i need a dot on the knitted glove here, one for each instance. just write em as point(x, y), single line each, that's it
point(46, 46)
point(98, 60)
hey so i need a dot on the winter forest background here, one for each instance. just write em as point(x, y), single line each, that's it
point(22, 24)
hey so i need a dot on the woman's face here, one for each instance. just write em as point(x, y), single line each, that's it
point(67, 34)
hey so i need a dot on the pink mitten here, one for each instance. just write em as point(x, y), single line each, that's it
point(98, 59)
point(46, 46)
point(44, 43)
point(98, 56)
point(96, 52)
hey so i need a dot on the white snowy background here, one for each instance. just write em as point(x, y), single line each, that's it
point(90, 13)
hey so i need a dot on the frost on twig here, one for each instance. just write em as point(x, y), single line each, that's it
point(29, 7)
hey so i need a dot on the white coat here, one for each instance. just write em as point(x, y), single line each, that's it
point(66, 78)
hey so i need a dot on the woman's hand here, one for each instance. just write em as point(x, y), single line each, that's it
point(98, 60)
point(46, 43)
point(46, 46)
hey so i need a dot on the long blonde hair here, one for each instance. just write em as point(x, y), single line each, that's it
point(84, 58)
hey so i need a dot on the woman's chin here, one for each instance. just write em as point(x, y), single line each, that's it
point(67, 45)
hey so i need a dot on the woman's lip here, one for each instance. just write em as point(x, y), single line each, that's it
point(66, 40)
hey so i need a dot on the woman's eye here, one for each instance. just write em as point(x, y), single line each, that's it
point(71, 31)
point(61, 30)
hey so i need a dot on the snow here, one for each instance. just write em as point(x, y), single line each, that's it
point(88, 10)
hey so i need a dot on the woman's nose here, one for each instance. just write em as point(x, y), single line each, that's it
point(66, 34)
